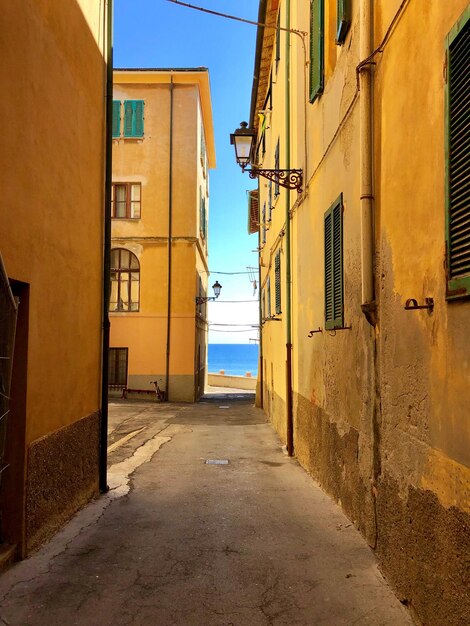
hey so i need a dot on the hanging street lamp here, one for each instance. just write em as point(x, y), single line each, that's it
point(216, 287)
point(244, 141)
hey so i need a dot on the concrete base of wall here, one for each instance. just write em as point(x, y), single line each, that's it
point(62, 476)
point(182, 388)
point(232, 382)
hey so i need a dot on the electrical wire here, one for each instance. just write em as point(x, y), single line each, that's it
point(239, 19)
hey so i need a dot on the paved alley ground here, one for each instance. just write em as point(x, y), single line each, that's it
point(178, 541)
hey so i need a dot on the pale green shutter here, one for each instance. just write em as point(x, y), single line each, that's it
point(343, 19)
point(128, 115)
point(139, 118)
point(458, 159)
point(116, 118)
point(277, 282)
point(316, 48)
point(334, 299)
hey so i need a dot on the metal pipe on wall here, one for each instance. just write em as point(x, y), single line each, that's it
point(366, 181)
point(289, 403)
point(170, 233)
point(103, 442)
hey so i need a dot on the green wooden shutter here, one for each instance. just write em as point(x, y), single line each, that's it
point(263, 238)
point(277, 283)
point(316, 48)
point(334, 304)
point(268, 297)
point(116, 118)
point(343, 19)
point(278, 40)
point(458, 159)
point(128, 115)
point(139, 118)
point(133, 118)
point(276, 167)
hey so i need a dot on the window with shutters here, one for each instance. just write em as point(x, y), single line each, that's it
point(126, 201)
point(276, 167)
point(278, 41)
point(263, 224)
point(117, 367)
point(125, 281)
point(343, 20)
point(116, 118)
point(316, 48)
point(334, 307)
point(133, 118)
point(270, 200)
point(277, 282)
point(458, 159)
point(202, 213)
point(268, 298)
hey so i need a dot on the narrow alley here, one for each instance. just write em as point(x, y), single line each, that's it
point(246, 540)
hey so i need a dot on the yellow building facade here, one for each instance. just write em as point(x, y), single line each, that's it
point(359, 96)
point(163, 148)
point(52, 158)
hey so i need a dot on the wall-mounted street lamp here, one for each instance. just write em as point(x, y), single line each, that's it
point(216, 287)
point(244, 140)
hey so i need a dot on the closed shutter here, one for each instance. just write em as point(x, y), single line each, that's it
point(128, 115)
point(316, 48)
point(343, 19)
point(268, 297)
point(133, 118)
point(263, 238)
point(139, 118)
point(116, 118)
point(458, 160)
point(334, 266)
point(276, 167)
point(277, 277)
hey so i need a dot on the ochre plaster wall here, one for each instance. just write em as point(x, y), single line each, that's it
point(147, 161)
point(52, 179)
point(380, 414)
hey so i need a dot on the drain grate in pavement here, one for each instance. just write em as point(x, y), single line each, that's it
point(216, 461)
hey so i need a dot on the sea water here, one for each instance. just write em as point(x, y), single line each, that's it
point(236, 359)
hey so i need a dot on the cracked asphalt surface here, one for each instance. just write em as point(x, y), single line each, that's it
point(178, 541)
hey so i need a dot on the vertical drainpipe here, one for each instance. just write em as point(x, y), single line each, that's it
point(170, 234)
point(290, 420)
point(366, 188)
point(260, 314)
point(103, 444)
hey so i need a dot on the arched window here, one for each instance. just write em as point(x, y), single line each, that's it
point(125, 281)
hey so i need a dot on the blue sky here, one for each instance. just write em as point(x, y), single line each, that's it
point(157, 33)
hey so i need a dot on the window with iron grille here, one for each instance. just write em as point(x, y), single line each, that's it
point(125, 281)
point(316, 48)
point(277, 281)
point(343, 20)
point(334, 307)
point(126, 201)
point(117, 369)
point(458, 159)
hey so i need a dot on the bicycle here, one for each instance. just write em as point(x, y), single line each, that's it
point(160, 392)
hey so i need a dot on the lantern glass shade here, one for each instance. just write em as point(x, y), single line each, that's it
point(243, 139)
point(217, 287)
point(243, 149)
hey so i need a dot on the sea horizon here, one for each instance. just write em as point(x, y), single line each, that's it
point(235, 359)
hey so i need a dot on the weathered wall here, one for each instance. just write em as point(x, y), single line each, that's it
point(424, 368)
point(52, 180)
point(380, 414)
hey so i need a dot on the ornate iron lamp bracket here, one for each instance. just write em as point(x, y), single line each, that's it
point(290, 179)
point(204, 299)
